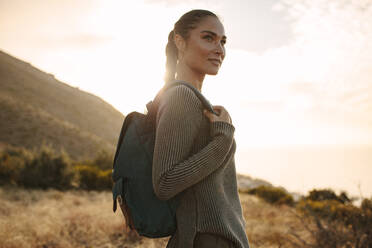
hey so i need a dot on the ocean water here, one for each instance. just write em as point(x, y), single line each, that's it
point(302, 168)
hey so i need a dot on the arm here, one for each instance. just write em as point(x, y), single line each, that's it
point(178, 122)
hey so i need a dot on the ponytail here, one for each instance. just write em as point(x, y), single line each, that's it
point(171, 53)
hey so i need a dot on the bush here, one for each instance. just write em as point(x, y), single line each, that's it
point(104, 160)
point(337, 223)
point(272, 195)
point(44, 168)
point(327, 194)
point(92, 178)
point(12, 162)
point(367, 205)
point(47, 170)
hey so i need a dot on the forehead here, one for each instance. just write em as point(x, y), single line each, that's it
point(212, 24)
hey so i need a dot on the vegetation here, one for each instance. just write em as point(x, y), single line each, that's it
point(12, 163)
point(274, 195)
point(333, 221)
point(78, 218)
point(54, 219)
point(44, 168)
point(92, 178)
point(102, 159)
point(327, 194)
point(325, 219)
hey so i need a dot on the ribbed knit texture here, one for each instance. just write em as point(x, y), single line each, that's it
point(194, 159)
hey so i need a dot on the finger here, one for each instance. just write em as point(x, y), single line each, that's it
point(207, 113)
point(217, 107)
point(217, 111)
point(220, 110)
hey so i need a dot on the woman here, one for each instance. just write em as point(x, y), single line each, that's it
point(194, 149)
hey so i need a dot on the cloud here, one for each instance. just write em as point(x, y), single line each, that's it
point(323, 75)
point(334, 55)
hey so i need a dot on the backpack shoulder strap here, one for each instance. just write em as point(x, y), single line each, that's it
point(204, 101)
point(152, 105)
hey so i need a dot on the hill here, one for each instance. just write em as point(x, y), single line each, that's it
point(36, 108)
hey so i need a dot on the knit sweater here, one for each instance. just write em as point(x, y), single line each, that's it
point(194, 159)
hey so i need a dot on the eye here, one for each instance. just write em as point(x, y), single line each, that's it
point(223, 42)
point(208, 38)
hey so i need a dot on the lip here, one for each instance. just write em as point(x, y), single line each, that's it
point(216, 62)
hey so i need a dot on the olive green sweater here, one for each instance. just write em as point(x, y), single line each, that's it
point(194, 159)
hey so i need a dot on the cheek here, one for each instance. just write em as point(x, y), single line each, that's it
point(205, 49)
point(197, 55)
point(201, 47)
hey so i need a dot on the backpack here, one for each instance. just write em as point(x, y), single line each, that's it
point(132, 173)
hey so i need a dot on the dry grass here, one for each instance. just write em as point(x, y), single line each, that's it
point(271, 226)
point(35, 218)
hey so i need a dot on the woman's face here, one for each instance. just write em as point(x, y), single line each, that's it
point(204, 49)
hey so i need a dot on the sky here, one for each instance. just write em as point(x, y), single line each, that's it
point(296, 72)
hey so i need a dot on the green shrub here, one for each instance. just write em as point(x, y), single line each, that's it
point(12, 162)
point(105, 179)
point(47, 170)
point(272, 195)
point(330, 210)
point(44, 168)
point(337, 224)
point(104, 160)
point(327, 194)
point(326, 203)
point(366, 205)
point(9, 169)
point(92, 178)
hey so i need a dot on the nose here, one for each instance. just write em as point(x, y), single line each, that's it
point(219, 50)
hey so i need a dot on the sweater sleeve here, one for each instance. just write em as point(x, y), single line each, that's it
point(179, 118)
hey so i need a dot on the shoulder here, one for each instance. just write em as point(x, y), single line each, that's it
point(180, 96)
point(180, 103)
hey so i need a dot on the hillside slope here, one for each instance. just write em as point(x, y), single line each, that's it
point(36, 108)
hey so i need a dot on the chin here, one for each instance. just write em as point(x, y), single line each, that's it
point(212, 72)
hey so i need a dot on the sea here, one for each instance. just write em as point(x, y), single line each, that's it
point(302, 168)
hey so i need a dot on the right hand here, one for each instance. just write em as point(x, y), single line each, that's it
point(223, 115)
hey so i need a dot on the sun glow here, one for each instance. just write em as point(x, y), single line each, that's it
point(283, 95)
point(301, 83)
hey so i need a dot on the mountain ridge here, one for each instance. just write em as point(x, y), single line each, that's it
point(37, 108)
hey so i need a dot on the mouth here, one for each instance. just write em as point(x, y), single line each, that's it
point(216, 62)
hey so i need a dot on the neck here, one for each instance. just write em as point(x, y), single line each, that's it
point(186, 74)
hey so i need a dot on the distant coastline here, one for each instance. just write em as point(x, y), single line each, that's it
point(302, 168)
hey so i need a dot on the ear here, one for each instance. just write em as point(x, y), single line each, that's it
point(180, 43)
